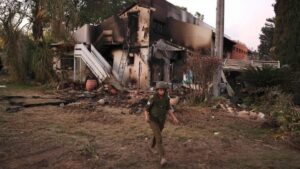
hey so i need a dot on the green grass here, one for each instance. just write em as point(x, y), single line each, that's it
point(90, 151)
point(21, 86)
point(28, 86)
point(83, 133)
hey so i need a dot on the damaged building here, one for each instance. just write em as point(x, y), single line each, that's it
point(147, 42)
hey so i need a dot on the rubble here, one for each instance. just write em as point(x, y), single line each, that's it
point(241, 112)
point(102, 101)
point(106, 95)
point(174, 101)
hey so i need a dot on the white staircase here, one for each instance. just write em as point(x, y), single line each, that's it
point(94, 60)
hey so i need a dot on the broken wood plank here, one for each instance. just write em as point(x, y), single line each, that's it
point(17, 108)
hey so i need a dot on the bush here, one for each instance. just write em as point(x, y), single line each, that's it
point(274, 92)
point(15, 60)
point(41, 61)
point(266, 76)
point(203, 70)
point(285, 79)
point(278, 106)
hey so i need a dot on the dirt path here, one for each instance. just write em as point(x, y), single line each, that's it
point(111, 138)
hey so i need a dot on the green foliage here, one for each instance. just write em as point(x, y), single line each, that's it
point(26, 57)
point(287, 34)
point(89, 150)
point(271, 91)
point(278, 106)
point(39, 18)
point(12, 13)
point(94, 11)
point(16, 57)
point(266, 76)
point(266, 39)
point(41, 62)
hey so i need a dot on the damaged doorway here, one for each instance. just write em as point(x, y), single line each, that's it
point(168, 66)
point(178, 66)
point(157, 70)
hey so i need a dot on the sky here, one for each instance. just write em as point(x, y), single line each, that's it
point(243, 18)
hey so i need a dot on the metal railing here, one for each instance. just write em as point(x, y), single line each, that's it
point(94, 60)
point(239, 65)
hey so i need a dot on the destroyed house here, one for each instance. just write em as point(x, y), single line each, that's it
point(145, 43)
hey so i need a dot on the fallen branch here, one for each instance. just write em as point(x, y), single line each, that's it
point(17, 108)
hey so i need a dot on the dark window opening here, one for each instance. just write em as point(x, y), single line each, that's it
point(67, 63)
point(159, 27)
point(130, 60)
point(133, 26)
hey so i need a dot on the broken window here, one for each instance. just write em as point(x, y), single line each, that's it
point(133, 26)
point(131, 55)
point(130, 60)
point(67, 63)
point(159, 27)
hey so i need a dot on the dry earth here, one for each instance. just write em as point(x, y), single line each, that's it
point(77, 137)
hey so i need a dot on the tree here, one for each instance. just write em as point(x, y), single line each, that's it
point(94, 11)
point(67, 15)
point(287, 34)
point(63, 16)
point(39, 18)
point(199, 16)
point(266, 40)
point(57, 18)
point(12, 15)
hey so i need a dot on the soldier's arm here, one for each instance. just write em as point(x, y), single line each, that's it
point(173, 117)
point(171, 113)
point(147, 119)
point(148, 108)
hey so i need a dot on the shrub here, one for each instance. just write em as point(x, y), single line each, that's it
point(15, 59)
point(203, 70)
point(41, 59)
point(266, 76)
point(286, 79)
point(279, 108)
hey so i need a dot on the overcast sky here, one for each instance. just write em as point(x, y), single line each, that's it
point(243, 18)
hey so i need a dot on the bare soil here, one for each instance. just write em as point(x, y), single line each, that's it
point(105, 137)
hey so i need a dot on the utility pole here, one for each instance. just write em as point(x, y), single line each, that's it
point(219, 41)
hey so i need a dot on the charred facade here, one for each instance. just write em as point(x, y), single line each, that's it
point(147, 42)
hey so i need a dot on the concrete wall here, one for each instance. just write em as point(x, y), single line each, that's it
point(136, 74)
point(86, 34)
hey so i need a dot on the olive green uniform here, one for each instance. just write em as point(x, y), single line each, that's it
point(158, 107)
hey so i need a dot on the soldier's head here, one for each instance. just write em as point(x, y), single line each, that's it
point(161, 88)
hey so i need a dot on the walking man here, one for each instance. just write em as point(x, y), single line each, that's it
point(158, 107)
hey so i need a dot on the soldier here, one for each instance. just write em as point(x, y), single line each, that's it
point(158, 107)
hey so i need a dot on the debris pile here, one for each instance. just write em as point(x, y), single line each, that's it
point(239, 111)
point(107, 95)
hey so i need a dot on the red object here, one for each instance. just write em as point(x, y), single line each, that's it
point(239, 52)
point(91, 84)
point(113, 91)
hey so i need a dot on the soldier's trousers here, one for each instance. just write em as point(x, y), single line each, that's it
point(157, 137)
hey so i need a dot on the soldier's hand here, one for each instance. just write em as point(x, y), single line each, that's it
point(175, 121)
point(147, 119)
